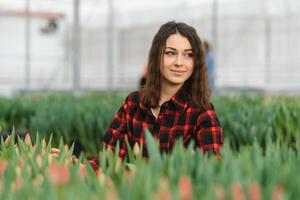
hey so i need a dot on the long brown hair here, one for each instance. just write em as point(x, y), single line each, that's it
point(196, 86)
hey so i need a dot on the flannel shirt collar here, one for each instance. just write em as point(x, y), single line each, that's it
point(144, 108)
point(180, 100)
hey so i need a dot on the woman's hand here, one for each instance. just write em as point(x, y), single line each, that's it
point(55, 152)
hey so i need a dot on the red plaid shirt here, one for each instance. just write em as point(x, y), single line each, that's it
point(177, 118)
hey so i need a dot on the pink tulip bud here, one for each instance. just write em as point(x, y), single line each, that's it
point(66, 147)
point(34, 148)
point(18, 184)
point(112, 194)
point(254, 191)
point(7, 139)
point(164, 191)
point(39, 160)
point(58, 174)
point(44, 145)
point(220, 193)
point(185, 188)
point(38, 180)
point(237, 192)
point(118, 165)
point(164, 194)
point(277, 193)
point(21, 161)
point(82, 172)
point(102, 179)
point(27, 139)
point(128, 176)
point(136, 149)
point(3, 165)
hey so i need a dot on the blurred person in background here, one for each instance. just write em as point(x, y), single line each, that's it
point(175, 101)
point(210, 65)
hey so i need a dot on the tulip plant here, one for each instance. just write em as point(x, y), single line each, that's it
point(29, 169)
point(245, 119)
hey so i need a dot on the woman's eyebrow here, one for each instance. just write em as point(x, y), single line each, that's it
point(171, 48)
point(176, 49)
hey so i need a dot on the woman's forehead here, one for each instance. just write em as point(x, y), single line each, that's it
point(178, 42)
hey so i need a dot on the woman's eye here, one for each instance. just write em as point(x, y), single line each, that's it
point(169, 53)
point(190, 55)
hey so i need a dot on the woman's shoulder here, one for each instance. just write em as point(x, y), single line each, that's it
point(134, 97)
point(202, 109)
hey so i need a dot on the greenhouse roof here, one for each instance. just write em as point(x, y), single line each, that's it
point(133, 12)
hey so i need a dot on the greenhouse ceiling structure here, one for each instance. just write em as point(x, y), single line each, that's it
point(101, 45)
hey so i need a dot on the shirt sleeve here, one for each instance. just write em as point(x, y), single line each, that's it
point(94, 164)
point(117, 130)
point(209, 135)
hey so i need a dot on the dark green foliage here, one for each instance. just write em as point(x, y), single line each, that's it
point(249, 118)
point(83, 120)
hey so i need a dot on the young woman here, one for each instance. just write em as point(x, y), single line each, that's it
point(175, 100)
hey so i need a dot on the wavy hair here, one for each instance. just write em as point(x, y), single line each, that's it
point(196, 87)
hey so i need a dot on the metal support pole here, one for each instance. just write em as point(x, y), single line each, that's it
point(214, 27)
point(27, 48)
point(214, 32)
point(110, 44)
point(76, 57)
point(267, 32)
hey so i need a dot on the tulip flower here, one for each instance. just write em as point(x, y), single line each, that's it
point(220, 193)
point(277, 193)
point(17, 184)
point(82, 171)
point(44, 144)
point(28, 139)
point(111, 194)
point(58, 174)
point(164, 191)
point(38, 180)
point(136, 149)
point(7, 139)
point(128, 175)
point(3, 165)
point(118, 165)
point(254, 191)
point(185, 188)
point(164, 194)
point(39, 160)
point(237, 192)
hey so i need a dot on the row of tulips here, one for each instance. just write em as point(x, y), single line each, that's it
point(33, 171)
point(245, 119)
point(80, 119)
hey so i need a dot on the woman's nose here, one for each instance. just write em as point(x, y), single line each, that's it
point(179, 60)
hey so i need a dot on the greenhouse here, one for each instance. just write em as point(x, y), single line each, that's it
point(220, 125)
point(103, 45)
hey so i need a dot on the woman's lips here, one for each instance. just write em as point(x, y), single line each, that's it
point(177, 72)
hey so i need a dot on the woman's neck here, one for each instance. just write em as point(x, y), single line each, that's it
point(167, 92)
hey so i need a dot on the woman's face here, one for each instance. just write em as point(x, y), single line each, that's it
point(178, 61)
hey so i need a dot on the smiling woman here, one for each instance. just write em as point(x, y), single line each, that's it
point(177, 67)
point(175, 101)
point(178, 62)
